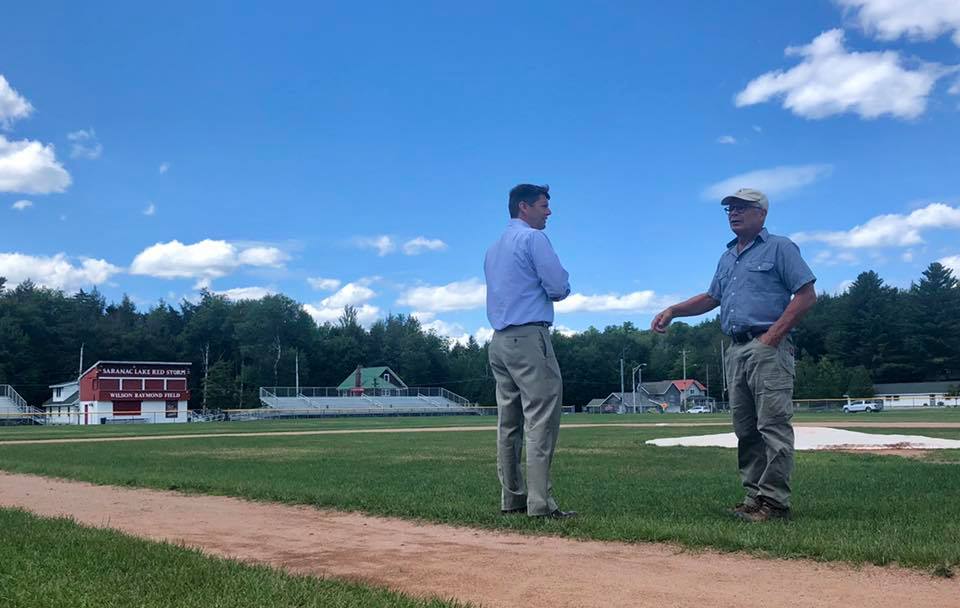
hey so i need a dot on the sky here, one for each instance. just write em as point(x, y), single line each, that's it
point(361, 153)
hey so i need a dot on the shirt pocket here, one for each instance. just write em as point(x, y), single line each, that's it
point(761, 275)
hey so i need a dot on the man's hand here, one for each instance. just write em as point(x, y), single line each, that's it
point(770, 339)
point(661, 321)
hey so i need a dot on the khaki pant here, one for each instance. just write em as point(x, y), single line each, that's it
point(760, 380)
point(529, 395)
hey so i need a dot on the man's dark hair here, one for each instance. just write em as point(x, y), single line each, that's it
point(527, 193)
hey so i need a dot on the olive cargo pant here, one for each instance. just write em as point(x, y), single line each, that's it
point(760, 380)
point(529, 396)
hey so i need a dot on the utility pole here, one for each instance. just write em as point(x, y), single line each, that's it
point(80, 373)
point(623, 407)
point(683, 397)
point(297, 364)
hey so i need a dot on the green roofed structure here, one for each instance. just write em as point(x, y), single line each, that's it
point(372, 380)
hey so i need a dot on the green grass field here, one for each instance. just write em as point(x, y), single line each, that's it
point(112, 430)
point(853, 508)
point(55, 563)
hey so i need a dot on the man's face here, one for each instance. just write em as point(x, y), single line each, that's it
point(746, 218)
point(536, 214)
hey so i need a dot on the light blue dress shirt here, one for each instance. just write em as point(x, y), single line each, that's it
point(524, 277)
point(754, 286)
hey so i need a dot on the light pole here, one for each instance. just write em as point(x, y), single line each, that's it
point(623, 406)
point(637, 371)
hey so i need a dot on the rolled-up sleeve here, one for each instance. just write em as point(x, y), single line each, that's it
point(553, 278)
point(794, 271)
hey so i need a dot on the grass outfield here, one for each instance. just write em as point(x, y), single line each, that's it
point(123, 430)
point(55, 563)
point(854, 508)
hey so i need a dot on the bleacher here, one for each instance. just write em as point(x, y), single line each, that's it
point(333, 401)
point(14, 408)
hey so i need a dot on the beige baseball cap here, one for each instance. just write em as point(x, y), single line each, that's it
point(747, 195)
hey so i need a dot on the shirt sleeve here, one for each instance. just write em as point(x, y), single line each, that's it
point(553, 278)
point(794, 272)
point(715, 290)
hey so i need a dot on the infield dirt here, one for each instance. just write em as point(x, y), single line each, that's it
point(482, 567)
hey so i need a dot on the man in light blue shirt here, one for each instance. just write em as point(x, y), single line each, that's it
point(524, 279)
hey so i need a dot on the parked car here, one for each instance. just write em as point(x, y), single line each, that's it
point(699, 409)
point(862, 406)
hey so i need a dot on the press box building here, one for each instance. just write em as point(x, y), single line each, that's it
point(122, 391)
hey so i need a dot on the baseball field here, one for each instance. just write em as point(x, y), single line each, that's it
point(894, 516)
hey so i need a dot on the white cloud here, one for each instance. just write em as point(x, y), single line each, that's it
point(150, 210)
point(953, 263)
point(891, 230)
point(635, 302)
point(420, 244)
point(833, 258)
point(915, 19)
point(350, 294)
point(758, 128)
point(13, 106)
point(456, 332)
point(56, 272)
point(383, 244)
point(31, 168)
point(459, 295)
point(726, 139)
point(563, 330)
point(263, 256)
point(423, 316)
point(366, 313)
point(85, 144)
point(907, 256)
point(246, 293)
point(830, 80)
point(773, 182)
point(21, 205)
point(483, 334)
point(164, 167)
point(207, 259)
point(322, 284)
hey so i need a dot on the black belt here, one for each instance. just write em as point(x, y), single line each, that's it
point(743, 337)
point(537, 323)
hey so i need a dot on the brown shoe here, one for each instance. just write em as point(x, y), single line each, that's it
point(744, 507)
point(765, 512)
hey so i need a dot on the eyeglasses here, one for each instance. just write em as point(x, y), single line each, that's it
point(731, 209)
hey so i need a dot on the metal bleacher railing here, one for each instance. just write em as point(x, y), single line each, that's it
point(25, 412)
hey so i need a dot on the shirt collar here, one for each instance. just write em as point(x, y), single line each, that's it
point(762, 237)
point(516, 222)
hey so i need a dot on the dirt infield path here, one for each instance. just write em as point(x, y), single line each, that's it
point(486, 568)
point(457, 429)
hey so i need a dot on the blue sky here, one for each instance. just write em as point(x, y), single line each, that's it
point(361, 153)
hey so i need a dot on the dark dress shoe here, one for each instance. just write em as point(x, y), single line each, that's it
point(558, 514)
point(511, 511)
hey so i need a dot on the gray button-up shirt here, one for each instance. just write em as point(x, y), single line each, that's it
point(754, 286)
point(524, 277)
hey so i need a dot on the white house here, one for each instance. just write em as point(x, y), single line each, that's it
point(917, 394)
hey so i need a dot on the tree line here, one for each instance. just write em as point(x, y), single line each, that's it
point(871, 333)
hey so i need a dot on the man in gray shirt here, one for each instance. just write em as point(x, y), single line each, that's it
point(763, 288)
point(524, 279)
